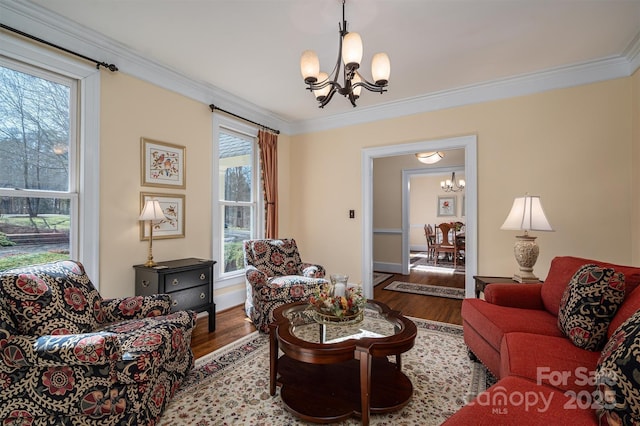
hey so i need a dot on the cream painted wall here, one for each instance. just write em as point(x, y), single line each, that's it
point(131, 109)
point(571, 146)
point(424, 205)
point(635, 185)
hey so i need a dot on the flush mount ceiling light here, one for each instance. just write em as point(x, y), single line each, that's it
point(430, 157)
point(349, 52)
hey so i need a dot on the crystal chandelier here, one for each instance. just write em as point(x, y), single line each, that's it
point(450, 185)
point(349, 52)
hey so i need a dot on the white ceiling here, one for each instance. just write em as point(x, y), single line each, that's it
point(251, 48)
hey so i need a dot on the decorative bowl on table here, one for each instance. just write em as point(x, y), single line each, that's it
point(345, 308)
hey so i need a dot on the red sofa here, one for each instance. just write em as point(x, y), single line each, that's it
point(543, 378)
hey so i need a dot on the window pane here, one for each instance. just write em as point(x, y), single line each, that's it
point(33, 230)
point(237, 227)
point(235, 167)
point(34, 132)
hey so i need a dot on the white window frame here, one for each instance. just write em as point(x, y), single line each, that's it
point(85, 238)
point(228, 279)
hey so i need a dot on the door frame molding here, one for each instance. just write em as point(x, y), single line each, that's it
point(469, 144)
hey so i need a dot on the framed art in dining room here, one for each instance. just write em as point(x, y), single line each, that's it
point(446, 205)
point(163, 164)
point(173, 207)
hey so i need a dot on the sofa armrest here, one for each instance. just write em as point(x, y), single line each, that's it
point(99, 348)
point(136, 307)
point(312, 270)
point(524, 296)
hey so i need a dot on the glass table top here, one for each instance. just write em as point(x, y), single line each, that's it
point(374, 324)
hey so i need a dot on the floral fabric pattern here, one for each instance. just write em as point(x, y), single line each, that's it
point(275, 275)
point(589, 302)
point(618, 376)
point(121, 371)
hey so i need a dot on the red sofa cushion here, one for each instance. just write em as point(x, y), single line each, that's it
point(517, 401)
point(495, 321)
point(562, 269)
point(555, 361)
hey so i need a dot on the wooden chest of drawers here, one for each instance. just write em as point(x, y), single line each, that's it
point(189, 282)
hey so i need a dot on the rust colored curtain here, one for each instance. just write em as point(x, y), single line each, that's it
point(268, 144)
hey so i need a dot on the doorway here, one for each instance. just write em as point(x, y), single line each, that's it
point(468, 143)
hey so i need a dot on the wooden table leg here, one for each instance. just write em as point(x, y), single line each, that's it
point(273, 361)
point(365, 382)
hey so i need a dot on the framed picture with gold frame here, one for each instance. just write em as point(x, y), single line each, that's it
point(173, 207)
point(163, 164)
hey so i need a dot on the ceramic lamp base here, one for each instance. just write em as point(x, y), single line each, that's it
point(526, 251)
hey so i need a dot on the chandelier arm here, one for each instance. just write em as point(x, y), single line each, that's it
point(370, 87)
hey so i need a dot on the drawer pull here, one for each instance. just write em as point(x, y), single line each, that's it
point(175, 303)
point(175, 281)
point(202, 295)
point(202, 277)
point(145, 283)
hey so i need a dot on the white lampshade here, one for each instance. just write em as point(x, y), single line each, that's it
point(380, 69)
point(352, 50)
point(320, 94)
point(309, 66)
point(357, 90)
point(527, 214)
point(152, 211)
point(430, 157)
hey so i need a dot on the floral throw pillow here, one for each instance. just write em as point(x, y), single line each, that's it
point(54, 298)
point(589, 302)
point(618, 376)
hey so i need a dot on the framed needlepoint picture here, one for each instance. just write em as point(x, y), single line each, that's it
point(163, 164)
point(174, 210)
point(446, 205)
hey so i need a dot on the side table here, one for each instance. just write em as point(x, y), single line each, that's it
point(189, 282)
point(483, 281)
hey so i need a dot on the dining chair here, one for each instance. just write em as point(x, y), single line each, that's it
point(430, 236)
point(448, 243)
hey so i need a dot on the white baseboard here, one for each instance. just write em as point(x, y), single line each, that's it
point(392, 268)
point(231, 299)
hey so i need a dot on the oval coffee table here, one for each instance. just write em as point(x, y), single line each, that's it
point(330, 372)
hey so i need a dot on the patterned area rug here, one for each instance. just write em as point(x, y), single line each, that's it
point(231, 385)
point(426, 290)
point(379, 278)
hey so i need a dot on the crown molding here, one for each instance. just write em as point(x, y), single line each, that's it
point(38, 21)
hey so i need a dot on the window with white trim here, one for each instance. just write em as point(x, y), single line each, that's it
point(49, 157)
point(238, 194)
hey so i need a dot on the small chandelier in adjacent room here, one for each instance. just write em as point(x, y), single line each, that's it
point(450, 185)
point(430, 157)
point(350, 52)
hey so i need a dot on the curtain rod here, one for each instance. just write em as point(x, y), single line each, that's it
point(213, 108)
point(110, 67)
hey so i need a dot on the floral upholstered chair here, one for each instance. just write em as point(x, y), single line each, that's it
point(275, 275)
point(68, 356)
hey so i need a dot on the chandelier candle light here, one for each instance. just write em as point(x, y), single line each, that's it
point(526, 215)
point(450, 185)
point(152, 212)
point(349, 52)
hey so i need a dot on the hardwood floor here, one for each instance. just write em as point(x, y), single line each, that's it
point(231, 324)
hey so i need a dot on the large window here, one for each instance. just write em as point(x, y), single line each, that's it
point(38, 198)
point(238, 197)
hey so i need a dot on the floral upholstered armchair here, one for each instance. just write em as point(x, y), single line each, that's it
point(275, 275)
point(69, 357)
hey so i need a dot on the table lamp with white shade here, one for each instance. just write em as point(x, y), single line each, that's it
point(151, 212)
point(526, 215)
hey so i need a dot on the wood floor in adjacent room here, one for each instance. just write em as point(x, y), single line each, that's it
point(232, 324)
